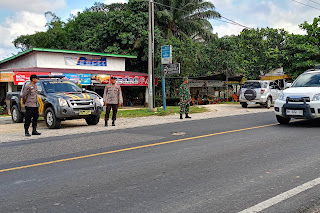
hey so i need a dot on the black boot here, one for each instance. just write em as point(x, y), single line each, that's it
point(105, 123)
point(187, 116)
point(35, 132)
point(26, 133)
point(113, 123)
point(181, 116)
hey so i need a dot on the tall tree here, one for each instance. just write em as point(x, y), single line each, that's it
point(186, 19)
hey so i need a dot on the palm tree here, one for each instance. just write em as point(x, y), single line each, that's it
point(186, 18)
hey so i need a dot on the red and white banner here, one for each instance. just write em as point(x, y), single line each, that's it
point(20, 77)
point(127, 80)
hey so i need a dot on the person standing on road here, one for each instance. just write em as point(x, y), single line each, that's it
point(112, 98)
point(185, 98)
point(30, 100)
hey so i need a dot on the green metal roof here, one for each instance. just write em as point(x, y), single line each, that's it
point(65, 51)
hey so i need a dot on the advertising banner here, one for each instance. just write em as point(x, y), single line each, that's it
point(85, 61)
point(126, 80)
point(21, 77)
point(6, 77)
point(83, 79)
point(100, 79)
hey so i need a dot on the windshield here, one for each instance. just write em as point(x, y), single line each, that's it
point(308, 80)
point(60, 86)
point(252, 85)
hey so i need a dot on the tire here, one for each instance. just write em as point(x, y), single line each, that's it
point(93, 119)
point(52, 121)
point(283, 120)
point(244, 105)
point(268, 103)
point(16, 115)
point(250, 94)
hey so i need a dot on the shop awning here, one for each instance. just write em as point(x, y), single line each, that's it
point(78, 71)
point(82, 76)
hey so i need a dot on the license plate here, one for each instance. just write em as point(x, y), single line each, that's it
point(84, 112)
point(251, 103)
point(294, 112)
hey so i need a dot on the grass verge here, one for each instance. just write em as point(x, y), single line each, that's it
point(145, 112)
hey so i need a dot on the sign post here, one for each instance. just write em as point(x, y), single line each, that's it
point(166, 58)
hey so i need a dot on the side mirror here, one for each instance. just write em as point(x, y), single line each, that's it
point(84, 90)
point(288, 85)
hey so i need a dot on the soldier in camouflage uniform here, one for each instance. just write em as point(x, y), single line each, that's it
point(185, 98)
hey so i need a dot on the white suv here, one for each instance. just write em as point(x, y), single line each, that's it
point(301, 100)
point(262, 92)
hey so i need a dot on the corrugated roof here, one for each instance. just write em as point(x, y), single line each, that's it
point(65, 51)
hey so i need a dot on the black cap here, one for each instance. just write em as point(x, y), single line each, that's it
point(113, 77)
point(33, 76)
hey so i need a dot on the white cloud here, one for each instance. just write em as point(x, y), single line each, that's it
point(114, 1)
point(260, 14)
point(75, 12)
point(22, 23)
point(32, 5)
point(224, 30)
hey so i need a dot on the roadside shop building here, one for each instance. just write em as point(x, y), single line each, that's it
point(88, 69)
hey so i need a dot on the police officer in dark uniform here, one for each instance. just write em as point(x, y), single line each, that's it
point(30, 100)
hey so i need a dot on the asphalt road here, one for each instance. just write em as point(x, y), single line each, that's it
point(215, 165)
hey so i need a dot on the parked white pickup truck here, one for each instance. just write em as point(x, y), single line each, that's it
point(301, 100)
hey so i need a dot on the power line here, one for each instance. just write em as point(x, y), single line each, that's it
point(314, 2)
point(306, 4)
point(229, 20)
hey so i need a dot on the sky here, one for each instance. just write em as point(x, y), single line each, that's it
point(21, 17)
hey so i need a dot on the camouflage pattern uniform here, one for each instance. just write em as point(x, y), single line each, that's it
point(185, 98)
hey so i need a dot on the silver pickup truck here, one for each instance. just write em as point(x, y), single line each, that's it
point(59, 100)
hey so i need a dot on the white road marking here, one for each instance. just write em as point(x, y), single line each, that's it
point(281, 197)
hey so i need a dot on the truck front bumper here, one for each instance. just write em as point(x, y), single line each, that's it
point(311, 110)
point(73, 113)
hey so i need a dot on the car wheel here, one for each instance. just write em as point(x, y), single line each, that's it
point(268, 103)
point(244, 105)
point(16, 115)
point(52, 121)
point(93, 119)
point(283, 120)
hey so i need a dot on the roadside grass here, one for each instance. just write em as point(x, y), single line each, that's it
point(160, 112)
point(4, 115)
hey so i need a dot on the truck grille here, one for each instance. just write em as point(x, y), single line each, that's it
point(81, 103)
point(298, 99)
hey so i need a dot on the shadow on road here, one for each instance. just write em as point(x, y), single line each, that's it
point(304, 123)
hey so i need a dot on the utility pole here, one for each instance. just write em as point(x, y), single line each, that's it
point(151, 57)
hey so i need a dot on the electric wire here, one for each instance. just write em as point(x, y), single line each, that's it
point(306, 4)
point(229, 21)
point(314, 2)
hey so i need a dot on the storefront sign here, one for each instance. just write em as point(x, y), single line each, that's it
point(6, 77)
point(83, 79)
point(85, 61)
point(206, 83)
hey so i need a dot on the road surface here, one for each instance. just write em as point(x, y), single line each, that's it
point(245, 163)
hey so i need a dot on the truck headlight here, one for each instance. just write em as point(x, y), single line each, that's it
point(281, 97)
point(63, 102)
point(316, 97)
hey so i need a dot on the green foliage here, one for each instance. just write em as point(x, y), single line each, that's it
point(185, 19)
